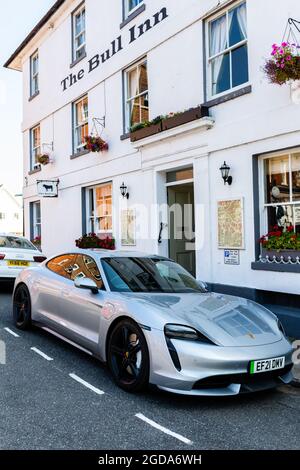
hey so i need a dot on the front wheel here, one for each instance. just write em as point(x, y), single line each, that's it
point(128, 356)
point(22, 308)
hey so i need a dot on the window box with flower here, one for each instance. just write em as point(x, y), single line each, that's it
point(91, 240)
point(146, 129)
point(178, 119)
point(279, 243)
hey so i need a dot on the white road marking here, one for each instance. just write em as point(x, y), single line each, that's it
point(11, 332)
point(86, 384)
point(163, 429)
point(40, 353)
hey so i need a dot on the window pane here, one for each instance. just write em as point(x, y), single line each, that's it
point(144, 108)
point(237, 24)
point(133, 83)
point(220, 74)
point(240, 66)
point(134, 111)
point(82, 111)
point(296, 176)
point(143, 78)
point(296, 210)
point(218, 35)
point(133, 3)
point(277, 179)
point(283, 216)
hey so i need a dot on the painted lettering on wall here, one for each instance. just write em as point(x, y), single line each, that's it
point(135, 32)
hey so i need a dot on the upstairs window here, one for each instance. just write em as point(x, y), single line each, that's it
point(131, 6)
point(35, 146)
point(136, 91)
point(34, 74)
point(79, 34)
point(227, 66)
point(80, 124)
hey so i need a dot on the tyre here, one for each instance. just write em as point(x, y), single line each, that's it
point(128, 356)
point(22, 308)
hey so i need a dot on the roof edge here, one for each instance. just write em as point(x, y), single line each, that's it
point(34, 31)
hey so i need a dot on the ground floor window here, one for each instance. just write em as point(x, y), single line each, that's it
point(35, 213)
point(281, 196)
point(99, 209)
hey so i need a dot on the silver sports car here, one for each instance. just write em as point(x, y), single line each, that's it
point(152, 322)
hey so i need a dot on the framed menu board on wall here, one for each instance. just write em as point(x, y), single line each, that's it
point(231, 224)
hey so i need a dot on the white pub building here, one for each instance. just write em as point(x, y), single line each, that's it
point(109, 70)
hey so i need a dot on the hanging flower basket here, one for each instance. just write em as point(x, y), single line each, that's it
point(284, 65)
point(95, 144)
point(91, 240)
point(43, 159)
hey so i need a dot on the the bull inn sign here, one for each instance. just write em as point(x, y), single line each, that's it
point(115, 47)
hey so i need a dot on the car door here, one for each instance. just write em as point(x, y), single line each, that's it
point(52, 287)
point(82, 308)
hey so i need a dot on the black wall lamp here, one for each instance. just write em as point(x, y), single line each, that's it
point(225, 169)
point(124, 192)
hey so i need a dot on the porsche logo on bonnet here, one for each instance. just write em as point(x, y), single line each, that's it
point(251, 335)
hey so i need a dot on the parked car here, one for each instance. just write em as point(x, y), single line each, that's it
point(151, 321)
point(16, 254)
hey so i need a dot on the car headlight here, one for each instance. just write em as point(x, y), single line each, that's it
point(185, 332)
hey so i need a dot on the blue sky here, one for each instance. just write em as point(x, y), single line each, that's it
point(18, 18)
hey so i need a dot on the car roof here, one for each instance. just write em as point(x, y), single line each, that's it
point(100, 253)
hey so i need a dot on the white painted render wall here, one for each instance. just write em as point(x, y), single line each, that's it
point(265, 120)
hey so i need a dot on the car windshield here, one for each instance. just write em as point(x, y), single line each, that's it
point(148, 275)
point(16, 242)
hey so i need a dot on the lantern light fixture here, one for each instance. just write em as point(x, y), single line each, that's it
point(225, 170)
point(124, 191)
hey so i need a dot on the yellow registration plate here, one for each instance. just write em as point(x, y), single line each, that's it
point(18, 264)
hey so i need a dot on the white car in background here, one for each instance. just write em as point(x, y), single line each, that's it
point(17, 253)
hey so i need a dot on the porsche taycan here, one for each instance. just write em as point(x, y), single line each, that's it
point(152, 322)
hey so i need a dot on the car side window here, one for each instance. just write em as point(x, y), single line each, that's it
point(63, 265)
point(86, 266)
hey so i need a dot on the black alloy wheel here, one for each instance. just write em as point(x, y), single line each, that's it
point(22, 308)
point(128, 356)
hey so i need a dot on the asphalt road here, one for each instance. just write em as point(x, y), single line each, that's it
point(43, 407)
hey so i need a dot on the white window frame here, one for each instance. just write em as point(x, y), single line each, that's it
point(92, 220)
point(36, 222)
point(128, 99)
point(34, 76)
point(229, 49)
point(264, 225)
point(77, 126)
point(129, 11)
point(34, 150)
point(75, 49)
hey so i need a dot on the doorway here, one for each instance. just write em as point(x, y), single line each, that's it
point(182, 224)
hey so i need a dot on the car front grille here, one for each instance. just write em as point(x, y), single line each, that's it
point(247, 381)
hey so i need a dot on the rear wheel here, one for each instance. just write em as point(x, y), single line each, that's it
point(22, 308)
point(128, 356)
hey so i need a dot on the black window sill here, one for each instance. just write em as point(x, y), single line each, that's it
point(280, 268)
point(35, 170)
point(230, 96)
point(33, 96)
point(79, 154)
point(75, 62)
point(133, 15)
point(125, 136)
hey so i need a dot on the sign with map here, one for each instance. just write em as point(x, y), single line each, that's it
point(128, 227)
point(231, 224)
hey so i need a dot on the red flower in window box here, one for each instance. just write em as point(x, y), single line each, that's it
point(91, 240)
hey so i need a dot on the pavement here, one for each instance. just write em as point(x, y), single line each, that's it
point(42, 406)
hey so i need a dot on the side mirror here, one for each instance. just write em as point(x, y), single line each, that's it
point(86, 283)
point(203, 286)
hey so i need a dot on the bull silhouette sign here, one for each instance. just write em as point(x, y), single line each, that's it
point(48, 188)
